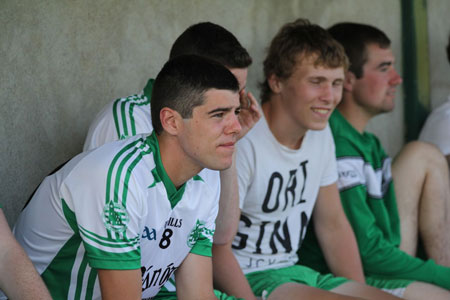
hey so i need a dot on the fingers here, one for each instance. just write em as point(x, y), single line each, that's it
point(253, 105)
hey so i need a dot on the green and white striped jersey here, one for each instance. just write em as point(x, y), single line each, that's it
point(115, 208)
point(120, 119)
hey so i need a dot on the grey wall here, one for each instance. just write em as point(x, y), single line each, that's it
point(439, 30)
point(61, 61)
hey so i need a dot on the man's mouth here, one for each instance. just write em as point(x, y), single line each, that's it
point(321, 111)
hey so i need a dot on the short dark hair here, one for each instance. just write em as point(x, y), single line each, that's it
point(182, 82)
point(299, 40)
point(355, 38)
point(214, 42)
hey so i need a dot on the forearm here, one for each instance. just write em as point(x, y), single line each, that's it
point(18, 277)
point(380, 256)
point(343, 257)
point(228, 217)
point(194, 278)
point(335, 235)
point(228, 276)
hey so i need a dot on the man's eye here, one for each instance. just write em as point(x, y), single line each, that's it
point(237, 111)
point(218, 115)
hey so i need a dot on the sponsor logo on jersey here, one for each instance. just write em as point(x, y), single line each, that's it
point(152, 277)
point(115, 217)
point(149, 234)
point(173, 222)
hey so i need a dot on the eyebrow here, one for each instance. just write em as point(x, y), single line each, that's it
point(220, 109)
point(385, 64)
point(323, 78)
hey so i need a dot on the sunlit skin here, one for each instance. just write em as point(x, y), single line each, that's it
point(208, 138)
point(374, 93)
point(305, 100)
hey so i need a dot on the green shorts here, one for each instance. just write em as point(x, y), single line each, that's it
point(173, 296)
point(265, 282)
point(395, 287)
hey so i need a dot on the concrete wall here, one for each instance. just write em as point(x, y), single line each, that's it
point(438, 34)
point(61, 61)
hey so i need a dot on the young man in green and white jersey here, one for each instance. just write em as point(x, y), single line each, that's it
point(129, 116)
point(118, 221)
point(386, 220)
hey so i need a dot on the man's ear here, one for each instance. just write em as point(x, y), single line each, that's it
point(170, 120)
point(349, 81)
point(275, 83)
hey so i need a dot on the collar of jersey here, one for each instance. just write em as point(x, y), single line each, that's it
point(339, 124)
point(173, 194)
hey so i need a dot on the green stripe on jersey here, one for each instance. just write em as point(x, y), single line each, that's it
point(80, 276)
point(120, 179)
point(173, 194)
point(123, 114)
point(127, 127)
point(64, 260)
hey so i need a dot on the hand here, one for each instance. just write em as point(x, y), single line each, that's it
point(250, 112)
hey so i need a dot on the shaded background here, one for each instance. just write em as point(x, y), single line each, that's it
point(61, 61)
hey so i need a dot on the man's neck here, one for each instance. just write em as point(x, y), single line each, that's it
point(354, 114)
point(174, 160)
point(283, 128)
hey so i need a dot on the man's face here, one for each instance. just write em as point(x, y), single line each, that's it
point(208, 138)
point(375, 91)
point(311, 93)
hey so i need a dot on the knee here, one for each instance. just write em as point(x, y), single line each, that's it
point(425, 152)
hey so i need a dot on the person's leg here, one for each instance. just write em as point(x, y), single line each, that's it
point(421, 182)
point(293, 290)
point(421, 290)
point(356, 289)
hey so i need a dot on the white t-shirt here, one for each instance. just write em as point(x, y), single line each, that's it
point(115, 208)
point(437, 128)
point(278, 188)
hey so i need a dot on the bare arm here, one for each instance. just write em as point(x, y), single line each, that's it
point(228, 276)
point(18, 277)
point(120, 284)
point(194, 278)
point(335, 235)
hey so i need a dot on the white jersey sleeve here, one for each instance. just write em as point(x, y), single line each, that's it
point(437, 128)
point(330, 174)
point(108, 217)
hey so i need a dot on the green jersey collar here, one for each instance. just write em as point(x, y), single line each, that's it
point(160, 173)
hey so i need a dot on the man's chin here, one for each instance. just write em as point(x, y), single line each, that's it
point(220, 166)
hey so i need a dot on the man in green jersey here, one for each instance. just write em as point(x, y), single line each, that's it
point(131, 115)
point(118, 221)
point(386, 221)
